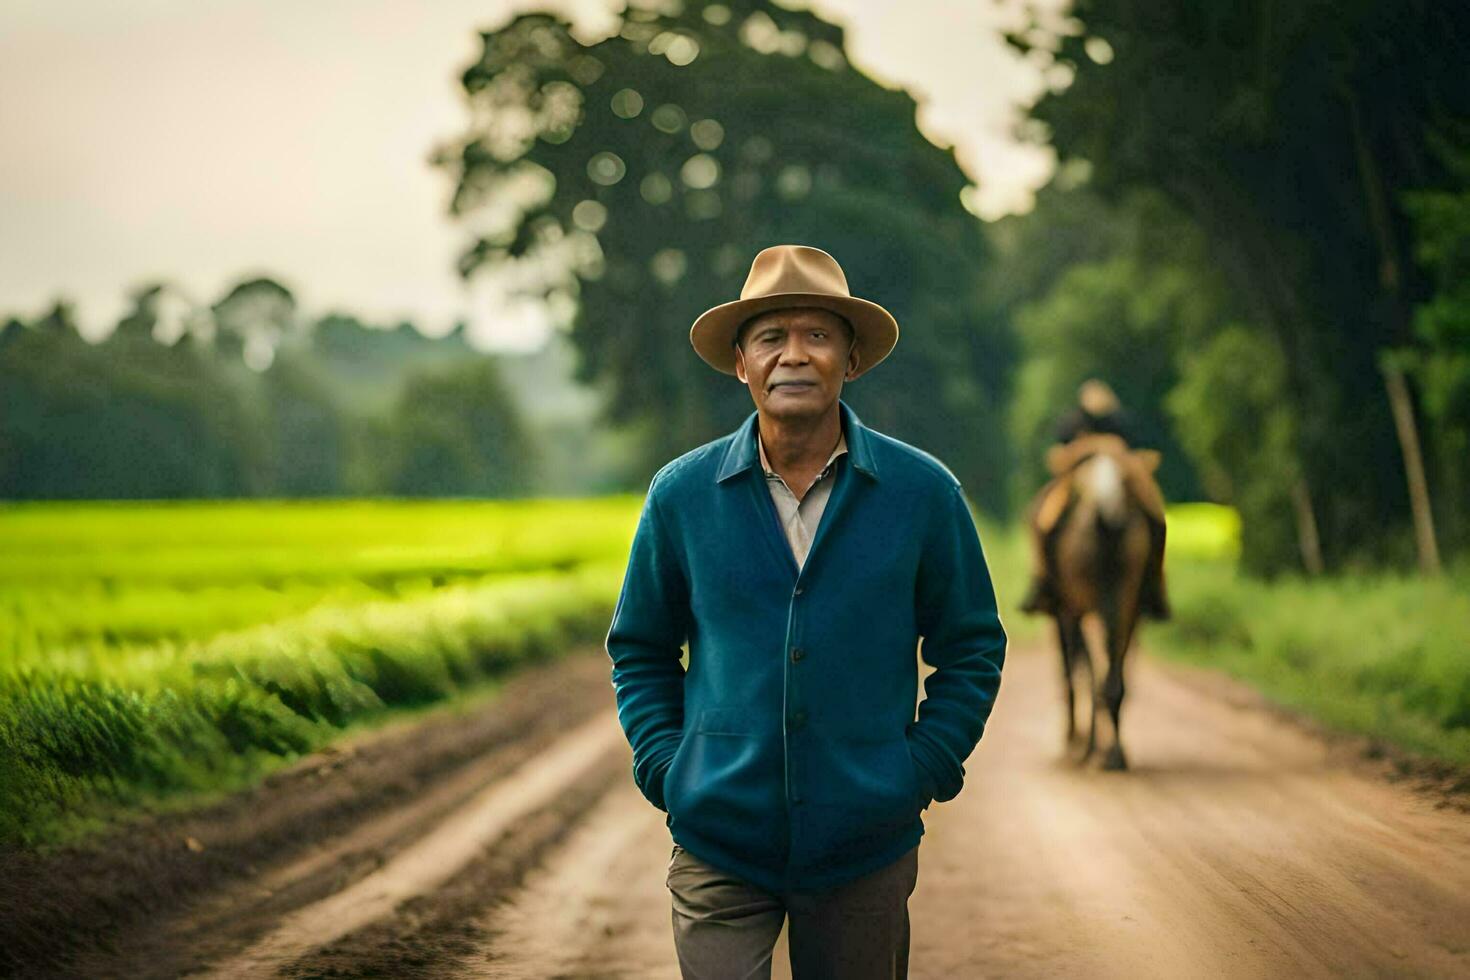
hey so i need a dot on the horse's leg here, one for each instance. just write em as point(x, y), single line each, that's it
point(1113, 692)
point(1081, 657)
point(1066, 653)
point(1120, 635)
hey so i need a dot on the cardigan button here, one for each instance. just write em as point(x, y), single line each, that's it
point(799, 590)
point(797, 654)
point(798, 719)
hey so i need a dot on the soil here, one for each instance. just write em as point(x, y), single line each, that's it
point(161, 896)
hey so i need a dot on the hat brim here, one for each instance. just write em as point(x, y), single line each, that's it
point(713, 333)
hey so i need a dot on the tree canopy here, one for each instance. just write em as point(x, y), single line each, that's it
point(630, 181)
point(1294, 135)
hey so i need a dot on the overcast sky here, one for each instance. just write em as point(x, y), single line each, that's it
point(199, 141)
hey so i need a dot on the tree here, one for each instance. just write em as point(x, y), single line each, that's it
point(308, 428)
point(632, 180)
point(456, 432)
point(1232, 413)
point(1439, 361)
point(1285, 131)
point(254, 319)
point(126, 418)
point(161, 312)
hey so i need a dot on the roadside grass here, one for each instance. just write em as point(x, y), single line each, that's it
point(1382, 655)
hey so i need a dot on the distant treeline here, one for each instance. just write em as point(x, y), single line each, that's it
point(246, 398)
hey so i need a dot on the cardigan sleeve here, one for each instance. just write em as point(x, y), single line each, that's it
point(649, 626)
point(963, 641)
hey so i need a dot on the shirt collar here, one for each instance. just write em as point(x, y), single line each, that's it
point(766, 463)
point(745, 452)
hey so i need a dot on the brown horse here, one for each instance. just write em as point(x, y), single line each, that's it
point(1098, 553)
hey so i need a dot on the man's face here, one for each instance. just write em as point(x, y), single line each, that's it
point(795, 360)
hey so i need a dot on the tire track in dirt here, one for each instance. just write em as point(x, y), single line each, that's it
point(427, 936)
point(435, 858)
point(598, 908)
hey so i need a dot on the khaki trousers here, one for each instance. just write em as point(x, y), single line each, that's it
point(726, 928)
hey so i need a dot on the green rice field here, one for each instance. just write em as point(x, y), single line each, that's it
point(155, 651)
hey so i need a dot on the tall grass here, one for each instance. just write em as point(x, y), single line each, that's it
point(198, 717)
point(1383, 655)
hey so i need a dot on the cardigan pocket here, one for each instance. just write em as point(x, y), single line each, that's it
point(709, 721)
point(864, 796)
point(726, 788)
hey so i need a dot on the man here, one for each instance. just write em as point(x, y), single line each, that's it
point(1097, 414)
point(802, 557)
point(1097, 411)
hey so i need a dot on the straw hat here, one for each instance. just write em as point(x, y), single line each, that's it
point(793, 275)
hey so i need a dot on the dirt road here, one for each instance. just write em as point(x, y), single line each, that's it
point(1236, 846)
point(1232, 848)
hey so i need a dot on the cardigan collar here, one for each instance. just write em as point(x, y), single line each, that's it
point(742, 453)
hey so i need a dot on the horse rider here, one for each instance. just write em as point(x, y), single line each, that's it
point(1096, 419)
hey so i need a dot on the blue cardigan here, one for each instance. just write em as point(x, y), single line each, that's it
point(788, 754)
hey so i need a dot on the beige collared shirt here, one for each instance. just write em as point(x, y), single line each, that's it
point(799, 518)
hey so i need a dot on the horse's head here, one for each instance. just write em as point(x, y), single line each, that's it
point(1099, 479)
point(1100, 545)
point(1100, 465)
